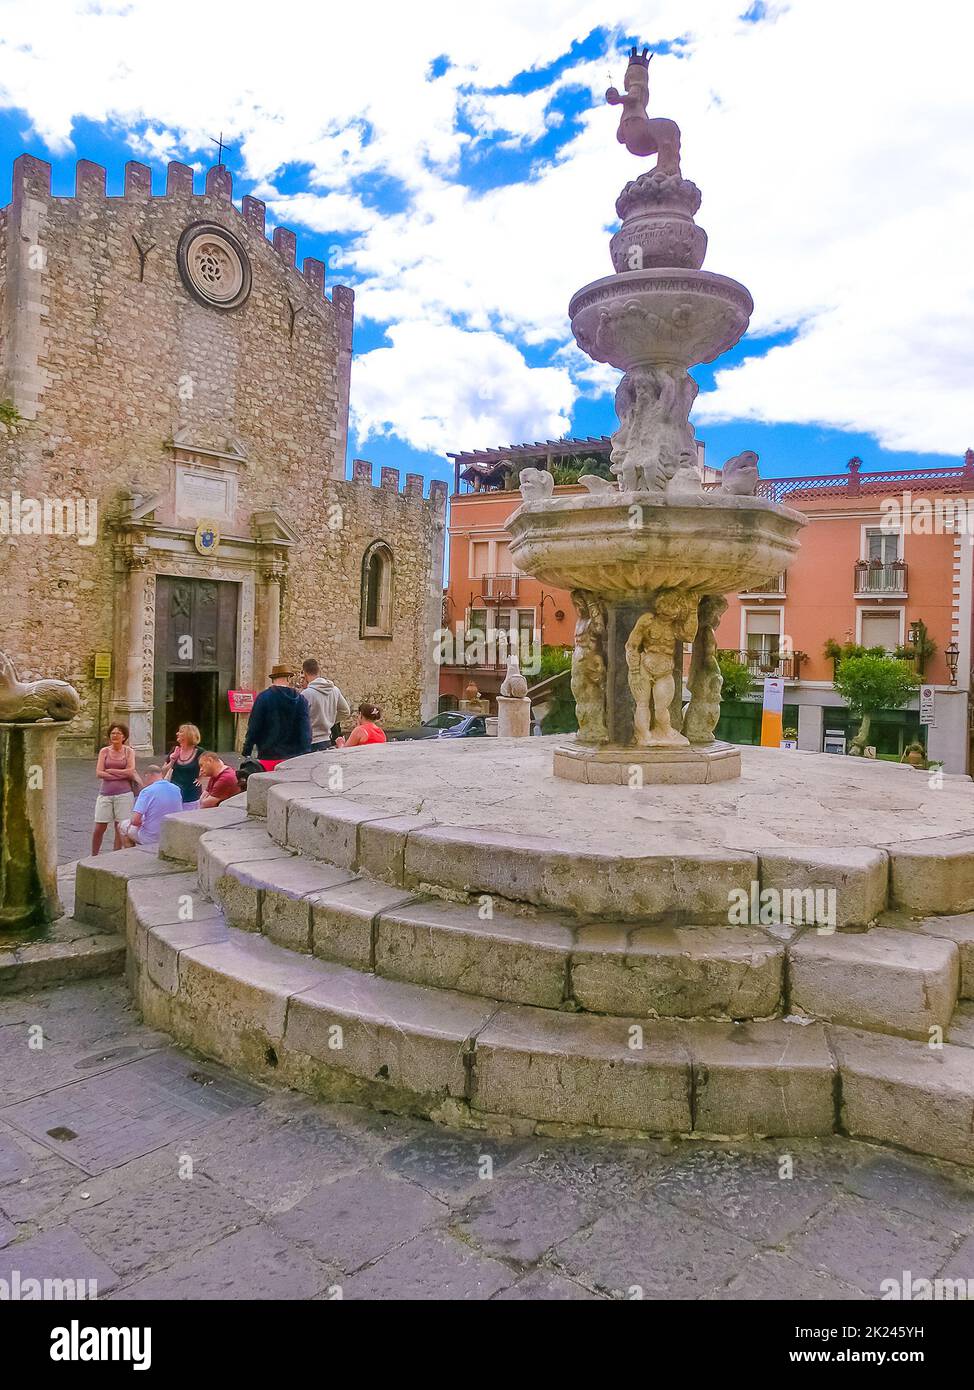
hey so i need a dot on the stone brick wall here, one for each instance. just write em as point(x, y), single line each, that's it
point(324, 623)
point(108, 357)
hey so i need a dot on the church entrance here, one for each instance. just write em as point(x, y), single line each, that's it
point(195, 660)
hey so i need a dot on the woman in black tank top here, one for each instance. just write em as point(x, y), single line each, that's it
point(184, 760)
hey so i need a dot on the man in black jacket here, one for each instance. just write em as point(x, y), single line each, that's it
point(279, 726)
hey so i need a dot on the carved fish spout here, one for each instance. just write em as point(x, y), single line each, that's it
point(25, 702)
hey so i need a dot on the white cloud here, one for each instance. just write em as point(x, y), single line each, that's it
point(440, 387)
point(830, 141)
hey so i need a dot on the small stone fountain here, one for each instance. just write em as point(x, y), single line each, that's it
point(32, 715)
point(649, 556)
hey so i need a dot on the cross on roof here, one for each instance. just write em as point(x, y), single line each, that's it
point(220, 147)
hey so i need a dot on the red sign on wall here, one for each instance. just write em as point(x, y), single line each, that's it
point(241, 701)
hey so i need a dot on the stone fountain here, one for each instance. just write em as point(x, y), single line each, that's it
point(649, 556)
point(32, 715)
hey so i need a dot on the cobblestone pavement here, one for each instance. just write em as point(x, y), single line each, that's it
point(126, 1160)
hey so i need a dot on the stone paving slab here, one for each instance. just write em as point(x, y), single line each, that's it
point(356, 1219)
point(290, 1199)
point(430, 1266)
point(258, 1262)
point(146, 1228)
point(865, 1247)
point(773, 1276)
point(653, 1250)
point(101, 1122)
point(60, 1254)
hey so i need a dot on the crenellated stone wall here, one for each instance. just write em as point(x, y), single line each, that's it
point(128, 389)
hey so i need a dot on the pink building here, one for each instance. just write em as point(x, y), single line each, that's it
point(884, 556)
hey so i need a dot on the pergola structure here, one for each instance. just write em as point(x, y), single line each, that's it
point(488, 470)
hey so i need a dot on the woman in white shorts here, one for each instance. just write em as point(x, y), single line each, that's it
point(118, 779)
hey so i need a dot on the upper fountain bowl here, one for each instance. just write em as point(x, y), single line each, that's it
point(659, 316)
point(629, 545)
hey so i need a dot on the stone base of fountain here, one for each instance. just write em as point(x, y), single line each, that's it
point(28, 825)
point(687, 764)
point(500, 952)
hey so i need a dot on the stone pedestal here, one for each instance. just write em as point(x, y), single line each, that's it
point(513, 716)
point(28, 825)
point(474, 706)
point(643, 767)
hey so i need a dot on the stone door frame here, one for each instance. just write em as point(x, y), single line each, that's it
point(145, 553)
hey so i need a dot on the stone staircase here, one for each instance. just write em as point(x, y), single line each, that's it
point(328, 948)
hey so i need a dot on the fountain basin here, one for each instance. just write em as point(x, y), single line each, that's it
point(665, 316)
point(625, 546)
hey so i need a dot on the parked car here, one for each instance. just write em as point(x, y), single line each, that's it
point(448, 724)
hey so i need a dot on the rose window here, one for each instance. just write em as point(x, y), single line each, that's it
point(214, 266)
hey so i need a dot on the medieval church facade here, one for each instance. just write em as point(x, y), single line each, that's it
point(166, 366)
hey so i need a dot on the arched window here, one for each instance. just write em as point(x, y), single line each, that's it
point(376, 608)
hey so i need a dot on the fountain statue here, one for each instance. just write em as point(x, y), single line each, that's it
point(649, 556)
point(32, 715)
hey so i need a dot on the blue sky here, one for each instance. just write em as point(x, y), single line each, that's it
point(463, 180)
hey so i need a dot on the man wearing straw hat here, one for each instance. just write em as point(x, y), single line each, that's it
point(279, 726)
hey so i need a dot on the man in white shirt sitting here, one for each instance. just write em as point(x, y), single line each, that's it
point(155, 801)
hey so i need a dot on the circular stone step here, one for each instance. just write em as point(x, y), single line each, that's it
point(474, 817)
point(342, 1033)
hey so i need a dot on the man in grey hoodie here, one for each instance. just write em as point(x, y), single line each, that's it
point(326, 705)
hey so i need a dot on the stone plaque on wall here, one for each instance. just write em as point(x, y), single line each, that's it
point(205, 492)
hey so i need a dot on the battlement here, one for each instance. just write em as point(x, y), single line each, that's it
point(362, 471)
point(32, 181)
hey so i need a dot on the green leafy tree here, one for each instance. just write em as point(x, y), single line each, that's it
point(869, 683)
point(738, 681)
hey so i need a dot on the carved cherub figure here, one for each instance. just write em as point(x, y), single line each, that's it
point(705, 681)
point(28, 701)
point(589, 668)
point(640, 133)
point(536, 484)
point(649, 656)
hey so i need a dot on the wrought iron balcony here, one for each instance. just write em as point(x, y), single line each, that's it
point(496, 588)
point(775, 585)
point(873, 577)
point(785, 665)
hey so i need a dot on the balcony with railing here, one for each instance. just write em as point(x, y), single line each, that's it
point(774, 587)
point(784, 665)
point(874, 577)
point(498, 588)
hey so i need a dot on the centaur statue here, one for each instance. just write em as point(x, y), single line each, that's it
point(642, 134)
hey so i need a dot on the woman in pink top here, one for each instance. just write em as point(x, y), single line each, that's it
point(366, 729)
point(117, 779)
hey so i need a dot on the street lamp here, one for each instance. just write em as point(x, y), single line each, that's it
point(545, 598)
point(952, 655)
